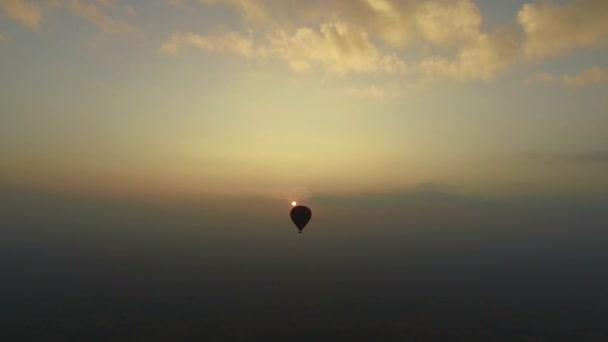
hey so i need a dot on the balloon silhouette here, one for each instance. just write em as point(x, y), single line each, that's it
point(300, 216)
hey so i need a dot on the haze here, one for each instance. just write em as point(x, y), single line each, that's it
point(454, 155)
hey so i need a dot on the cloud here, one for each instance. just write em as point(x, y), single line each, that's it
point(587, 77)
point(482, 58)
point(276, 13)
point(446, 23)
point(98, 17)
point(553, 29)
point(393, 22)
point(232, 42)
point(445, 39)
point(337, 47)
point(292, 23)
point(251, 10)
point(26, 12)
point(2, 37)
point(591, 76)
point(396, 23)
point(344, 43)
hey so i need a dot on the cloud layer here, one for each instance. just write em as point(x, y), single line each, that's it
point(26, 12)
point(423, 39)
point(370, 36)
point(337, 47)
point(106, 15)
point(551, 30)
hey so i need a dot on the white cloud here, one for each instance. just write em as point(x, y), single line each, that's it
point(26, 12)
point(551, 29)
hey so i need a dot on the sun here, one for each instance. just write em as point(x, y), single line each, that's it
point(294, 203)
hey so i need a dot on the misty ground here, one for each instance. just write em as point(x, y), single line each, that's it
point(89, 269)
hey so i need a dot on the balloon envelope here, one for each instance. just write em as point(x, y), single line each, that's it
point(300, 216)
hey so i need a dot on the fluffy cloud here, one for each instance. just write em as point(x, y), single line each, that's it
point(551, 30)
point(444, 39)
point(337, 47)
point(346, 42)
point(392, 22)
point(482, 58)
point(26, 12)
point(388, 20)
point(396, 23)
point(448, 22)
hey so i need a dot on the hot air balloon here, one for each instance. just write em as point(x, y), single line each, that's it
point(300, 216)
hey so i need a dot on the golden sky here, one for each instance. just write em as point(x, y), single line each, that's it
point(289, 99)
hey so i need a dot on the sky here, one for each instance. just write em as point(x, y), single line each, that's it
point(454, 155)
point(287, 100)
